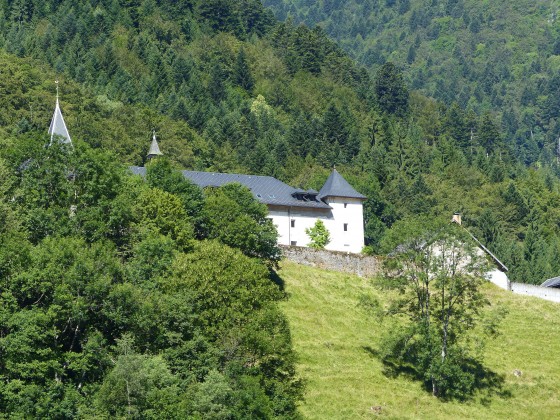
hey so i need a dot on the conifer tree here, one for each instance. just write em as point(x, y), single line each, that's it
point(390, 90)
point(242, 72)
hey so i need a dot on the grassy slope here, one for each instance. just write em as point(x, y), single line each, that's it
point(331, 334)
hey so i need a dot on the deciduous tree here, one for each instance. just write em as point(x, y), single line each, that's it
point(319, 235)
point(439, 276)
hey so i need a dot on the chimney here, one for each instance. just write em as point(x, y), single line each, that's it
point(456, 218)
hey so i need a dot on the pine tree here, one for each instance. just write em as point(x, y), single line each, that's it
point(242, 73)
point(390, 90)
point(216, 84)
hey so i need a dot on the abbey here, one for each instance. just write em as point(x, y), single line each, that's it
point(292, 210)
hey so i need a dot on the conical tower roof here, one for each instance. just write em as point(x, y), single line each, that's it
point(337, 186)
point(58, 126)
point(154, 148)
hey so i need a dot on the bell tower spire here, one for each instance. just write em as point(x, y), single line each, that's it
point(154, 147)
point(58, 128)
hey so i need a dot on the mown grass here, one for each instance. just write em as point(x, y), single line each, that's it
point(336, 340)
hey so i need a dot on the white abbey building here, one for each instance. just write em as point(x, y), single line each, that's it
point(338, 205)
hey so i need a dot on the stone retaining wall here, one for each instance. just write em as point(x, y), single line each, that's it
point(369, 266)
point(362, 265)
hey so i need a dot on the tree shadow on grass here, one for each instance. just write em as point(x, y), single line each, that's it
point(276, 279)
point(487, 383)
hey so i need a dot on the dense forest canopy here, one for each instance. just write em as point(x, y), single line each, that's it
point(120, 299)
point(134, 323)
point(499, 56)
point(228, 88)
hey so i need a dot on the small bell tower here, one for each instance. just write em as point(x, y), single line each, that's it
point(154, 148)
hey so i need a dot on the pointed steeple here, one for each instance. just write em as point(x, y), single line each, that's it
point(337, 186)
point(58, 126)
point(154, 148)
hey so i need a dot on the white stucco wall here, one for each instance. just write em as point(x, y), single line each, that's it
point(302, 218)
point(499, 278)
point(346, 211)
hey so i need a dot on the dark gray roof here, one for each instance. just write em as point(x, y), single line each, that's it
point(553, 282)
point(266, 189)
point(337, 186)
point(138, 170)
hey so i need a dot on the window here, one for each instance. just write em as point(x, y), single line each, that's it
point(293, 243)
point(293, 223)
point(345, 205)
point(345, 227)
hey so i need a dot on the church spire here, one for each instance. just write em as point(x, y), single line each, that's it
point(58, 126)
point(154, 148)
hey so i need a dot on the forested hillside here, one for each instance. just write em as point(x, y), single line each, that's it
point(499, 56)
point(130, 298)
point(115, 289)
point(228, 88)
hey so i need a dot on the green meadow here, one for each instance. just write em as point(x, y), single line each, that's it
point(336, 341)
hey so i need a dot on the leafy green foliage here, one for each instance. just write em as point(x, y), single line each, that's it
point(161, 212)
point(139, 386)
point(319, 235)
point(235, 218)
point(240, 92)
point(111, 307)
point(230, 89)
point(439, 277)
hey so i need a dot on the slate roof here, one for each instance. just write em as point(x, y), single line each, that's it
point(337, 186)
point(553, 282)
point(138, 170)
point(58, 126)
point(266, 189)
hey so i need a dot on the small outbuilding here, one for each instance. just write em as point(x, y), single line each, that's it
point(553, 282)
